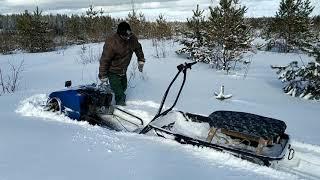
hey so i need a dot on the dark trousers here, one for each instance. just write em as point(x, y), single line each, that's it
point(118, 85)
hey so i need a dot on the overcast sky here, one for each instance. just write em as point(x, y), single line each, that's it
point(171, 9)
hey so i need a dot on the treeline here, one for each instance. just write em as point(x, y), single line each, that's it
point(263, 22)
point(35, 32)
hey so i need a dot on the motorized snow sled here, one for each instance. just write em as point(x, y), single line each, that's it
point(256, 138)
point(92, 103)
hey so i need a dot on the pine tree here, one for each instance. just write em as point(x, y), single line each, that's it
point(1, 22)
point(105, 25)
point(292, 24)
point(35, 36)
point(134, 20)
point(301, 81)
point(8, 41)
point(316, 29)
point(316, 23)
point(91, 21)
point(197, 25)
point(7, 36)
point(24, 27)
point(317, 52)
point(135, 23)
point(194, 38)
point(229, 34)
point(75, 29)
point(162, 29)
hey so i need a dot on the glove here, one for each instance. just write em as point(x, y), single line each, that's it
point(140, 66)
point(104, 80)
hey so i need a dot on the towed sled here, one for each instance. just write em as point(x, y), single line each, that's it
point(252, 137)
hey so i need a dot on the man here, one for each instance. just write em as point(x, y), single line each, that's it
point(116, 57)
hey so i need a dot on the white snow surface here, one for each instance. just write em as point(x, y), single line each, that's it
point(35, 144)
point(191, 129)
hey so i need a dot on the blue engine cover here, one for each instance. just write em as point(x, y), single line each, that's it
point(75, 102)
point(71, 102)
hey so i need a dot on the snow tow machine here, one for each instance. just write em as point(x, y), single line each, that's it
point(252, 137)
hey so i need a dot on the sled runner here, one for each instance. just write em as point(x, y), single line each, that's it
point(259, 139)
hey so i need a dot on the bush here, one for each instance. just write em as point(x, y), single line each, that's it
point(9, 83)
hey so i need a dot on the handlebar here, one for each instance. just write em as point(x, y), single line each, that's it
point(182, 68)
point(186, 66)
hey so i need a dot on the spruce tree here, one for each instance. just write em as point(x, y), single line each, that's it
point(229, 34)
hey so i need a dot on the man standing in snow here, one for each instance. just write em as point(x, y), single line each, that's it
point(116, 57)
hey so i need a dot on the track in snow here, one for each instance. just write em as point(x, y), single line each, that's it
point(306, 161)
point(304, 165)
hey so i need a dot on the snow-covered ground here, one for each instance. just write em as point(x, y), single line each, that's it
point(39, 145)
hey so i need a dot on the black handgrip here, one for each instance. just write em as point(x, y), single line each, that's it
point(181, 67)
point(188, 65)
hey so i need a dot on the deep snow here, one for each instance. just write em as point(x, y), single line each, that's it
point(39, 145)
